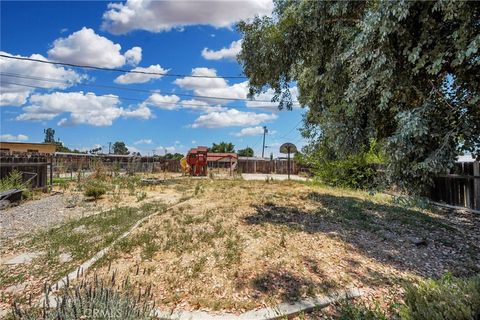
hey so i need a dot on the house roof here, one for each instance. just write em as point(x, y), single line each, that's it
point(211, 156)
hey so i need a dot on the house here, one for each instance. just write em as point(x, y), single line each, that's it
point(26, 147)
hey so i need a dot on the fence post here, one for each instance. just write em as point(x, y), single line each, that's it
point(476, 185)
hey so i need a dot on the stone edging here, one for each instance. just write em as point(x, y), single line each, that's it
point(282, 310)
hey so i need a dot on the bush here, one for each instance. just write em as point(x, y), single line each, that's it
point(446, 298)
point(92, 301)
point(349, 311)
point(14, 181)
point(358, 171)
point(94, 189)
point(354, 172)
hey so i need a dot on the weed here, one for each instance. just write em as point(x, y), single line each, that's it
point(95, 189)
point(141, 196)
point(198, 189)
point(446, 298)
point(91, 299)
point(14, 181)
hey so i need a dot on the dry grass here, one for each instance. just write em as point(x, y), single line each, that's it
point(239, 245)
point(235, 245)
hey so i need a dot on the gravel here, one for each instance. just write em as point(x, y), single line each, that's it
point(35, 215)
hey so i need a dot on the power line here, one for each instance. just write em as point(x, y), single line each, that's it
point(296, 126)
point(60, 81)
point(127, 98)
point(164, 74)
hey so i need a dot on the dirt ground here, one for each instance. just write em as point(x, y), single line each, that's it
point(235, 245)
point(240, 245)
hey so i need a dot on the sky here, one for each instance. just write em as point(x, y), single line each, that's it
point(160, 109)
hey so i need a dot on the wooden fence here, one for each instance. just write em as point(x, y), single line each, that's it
point(460, 188)
point(35, 169)
point(255, 165)
point(68, 163)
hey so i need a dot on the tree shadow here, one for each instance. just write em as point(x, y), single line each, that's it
point(284, 285)
point(406, 239)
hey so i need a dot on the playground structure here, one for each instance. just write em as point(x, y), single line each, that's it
point(199, 159)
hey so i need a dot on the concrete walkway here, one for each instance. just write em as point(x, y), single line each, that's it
point(277, 177)
point(281, 311)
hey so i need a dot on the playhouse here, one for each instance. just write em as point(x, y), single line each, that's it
point(199, 159)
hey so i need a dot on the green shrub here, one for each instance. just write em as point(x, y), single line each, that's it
point(14, 181)
point(354, 172)
point(357, 171)
point(446, 298)
point(94, 189)
point(349, 311)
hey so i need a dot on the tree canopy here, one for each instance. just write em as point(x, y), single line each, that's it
point(404, 74)
point(222, 147)
point(173, 156)
point(119, 147)
point(247, 152)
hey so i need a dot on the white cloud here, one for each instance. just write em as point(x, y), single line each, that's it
point(200, 106)
point(173, 102)
point(83, 108)
point(139, 77)
point(250, 131)
point(143, 141)
point(231, 118)
point(217, 87)
point(142, 112)
point(14, 95)
point(224, 53)
point(194, 141)
point(133, 56)
point(85, 47)
point(161, 150)
point(166, 102)
point(267, 96)
point(14, 138)
point(158, 16)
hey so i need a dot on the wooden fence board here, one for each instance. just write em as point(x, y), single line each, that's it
point(459, 188)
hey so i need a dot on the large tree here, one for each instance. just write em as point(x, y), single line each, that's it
point(119, 147)
point(247, 152)
point(403, 73)
point(222, 147)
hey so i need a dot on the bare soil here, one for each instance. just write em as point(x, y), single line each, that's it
point(238, 245)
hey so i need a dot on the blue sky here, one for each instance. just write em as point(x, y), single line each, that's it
point(179, 37)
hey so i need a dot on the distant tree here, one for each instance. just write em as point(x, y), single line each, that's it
point(49, 135)
point(119, 147)
point(171, 156)
point(95, 150)
point(247, 152)
point(61, 147)
point(50, 138)
point(222, 147)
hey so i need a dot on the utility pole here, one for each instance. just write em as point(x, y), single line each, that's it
point(165, 166)
point(153, 160)
point(109, 148)
point(265, 130)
